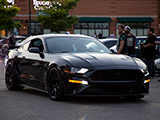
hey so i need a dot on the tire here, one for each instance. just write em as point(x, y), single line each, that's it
point(55, 85)
point(11, 79)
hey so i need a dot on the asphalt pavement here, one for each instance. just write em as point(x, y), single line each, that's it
point(29, 104)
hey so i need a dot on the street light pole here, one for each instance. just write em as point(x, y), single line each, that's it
point(29, 30)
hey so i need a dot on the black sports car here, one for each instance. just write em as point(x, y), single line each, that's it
point(74, 65)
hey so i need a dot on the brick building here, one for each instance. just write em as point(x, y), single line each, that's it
point(98, 16)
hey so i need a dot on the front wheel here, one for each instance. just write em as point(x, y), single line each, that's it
point(55, 85)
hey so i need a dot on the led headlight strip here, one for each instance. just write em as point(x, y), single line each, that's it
point(78, 81)
point(146, 81)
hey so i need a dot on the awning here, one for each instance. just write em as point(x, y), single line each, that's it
point(18, 20)
point(95, 19)
point(32, 21)
point(131, 19)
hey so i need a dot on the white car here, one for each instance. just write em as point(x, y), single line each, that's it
point(157, 65)
point(109, 42)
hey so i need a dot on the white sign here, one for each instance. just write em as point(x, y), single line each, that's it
point(11, 1)
point(37, 4)
point(48, 4)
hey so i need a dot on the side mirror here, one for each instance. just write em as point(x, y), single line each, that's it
point(112, 51)
point(34, 50)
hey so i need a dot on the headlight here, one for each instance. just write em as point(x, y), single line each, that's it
point(140, 63)
point(79, 81)
point(142, 66)
point(147, 81)
point(145, 71)
point(77, 70)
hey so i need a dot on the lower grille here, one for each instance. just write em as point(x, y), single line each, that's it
point(116, 75)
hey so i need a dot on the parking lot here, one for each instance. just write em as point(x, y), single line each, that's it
point(33, 105)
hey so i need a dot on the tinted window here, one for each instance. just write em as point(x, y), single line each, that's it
point(74, 44)
point(37, 43)
point(109, 44)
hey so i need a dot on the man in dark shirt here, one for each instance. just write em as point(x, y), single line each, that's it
point(100, 35)
point(149, 51)
point(121, 45)
point(130, 43)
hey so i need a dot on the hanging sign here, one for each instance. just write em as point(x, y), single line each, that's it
point(48, 4)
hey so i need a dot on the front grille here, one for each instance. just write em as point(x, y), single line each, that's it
point(116, 75)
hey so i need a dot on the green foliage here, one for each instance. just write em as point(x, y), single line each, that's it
point(57, 17)
point(6, 14)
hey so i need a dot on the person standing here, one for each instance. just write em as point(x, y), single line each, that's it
point(100, 35)
point(131, 42)
point(149, 51)
point(11, 42)
point(112, 35)
point(121, 45)
point(95, 35)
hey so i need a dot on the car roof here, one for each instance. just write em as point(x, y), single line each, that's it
point(145, 36)
point(141, 36)
point(108, 39)
point(19, 37)
point(61, 35)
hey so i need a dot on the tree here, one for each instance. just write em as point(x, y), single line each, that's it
point(56, 15)
point(6, 14)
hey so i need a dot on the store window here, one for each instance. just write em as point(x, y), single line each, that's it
point(139, 29)
point(90, 28)
point(36, 28)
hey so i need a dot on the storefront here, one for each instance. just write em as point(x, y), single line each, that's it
point(97, 16)
point(138, 25)
point(90, 26)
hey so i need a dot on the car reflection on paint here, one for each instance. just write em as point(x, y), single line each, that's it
point(74, 65)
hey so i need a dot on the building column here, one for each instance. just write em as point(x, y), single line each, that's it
point(112, 26)
point(24, 30)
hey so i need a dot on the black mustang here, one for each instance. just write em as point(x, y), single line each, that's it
point(74, 65)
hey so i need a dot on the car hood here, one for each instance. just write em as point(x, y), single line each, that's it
point(97, 59)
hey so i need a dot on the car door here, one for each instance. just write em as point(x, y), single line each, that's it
point(32, 65)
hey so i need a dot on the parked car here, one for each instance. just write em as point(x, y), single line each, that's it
point(5, 47)
point(22, 41)
point(142, 39)
point(3, 41)
point(16, 38)
point(74, 65)
point(157, 65)
point(109, 42)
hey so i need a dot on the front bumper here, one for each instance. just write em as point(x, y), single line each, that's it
point(137, 87)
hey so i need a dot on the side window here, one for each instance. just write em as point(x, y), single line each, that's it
point(110, 43)
point(37, 43)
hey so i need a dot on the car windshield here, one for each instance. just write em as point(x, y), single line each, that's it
point(74, 44)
